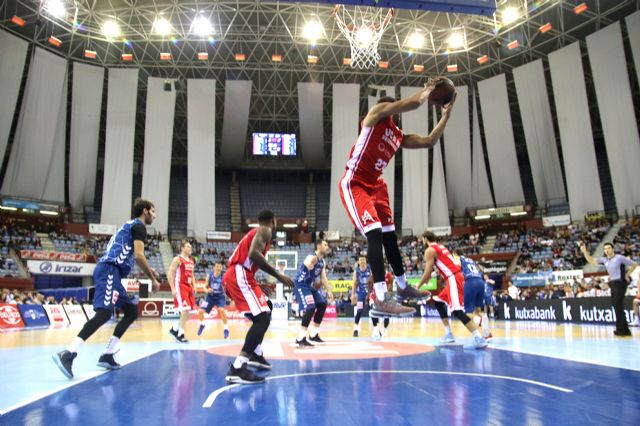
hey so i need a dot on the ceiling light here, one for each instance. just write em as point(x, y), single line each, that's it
point(110, 29)
point(312, 31)
point(416, 40)
point(201, 26)
point(456, 40)
point(55, 8)
point(162, 26)
point(510, 15)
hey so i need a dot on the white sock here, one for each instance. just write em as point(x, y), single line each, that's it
point(75, 344)
point(313, 331)
point(258, 350)
point(356, 327)
point(200, 323)
point(239, 361)
point(447, 328)
point(381, 290)
point(180, 331)
point(477, 320)
point(485, 325)
point(302, 334)
point(226, 327)
point(477, 333)
point(111, 346)
point(401, 281)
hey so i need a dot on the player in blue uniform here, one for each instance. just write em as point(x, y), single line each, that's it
point(361, 274)
point(489, 299)
point(311, 276)
point(215, 298)
point(474, 288)
point(125, 248)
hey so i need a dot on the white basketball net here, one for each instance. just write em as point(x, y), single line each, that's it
point(363, 27)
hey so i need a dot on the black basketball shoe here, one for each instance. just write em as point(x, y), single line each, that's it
point(64, 361)
point(243, 376)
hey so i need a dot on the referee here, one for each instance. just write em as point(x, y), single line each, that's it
point(616, 265)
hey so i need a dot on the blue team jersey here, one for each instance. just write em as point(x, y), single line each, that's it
point(120, 248)
point(215, 283)
point(470, 269)
point(488, 289)
point(306, 277)
point(361, 278)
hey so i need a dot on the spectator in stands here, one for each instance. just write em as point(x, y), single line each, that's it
point(514, 292)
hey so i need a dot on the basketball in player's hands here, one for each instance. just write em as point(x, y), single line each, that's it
point(442, 93)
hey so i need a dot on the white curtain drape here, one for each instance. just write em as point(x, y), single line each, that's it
point(576, 136)
point(310, 113)
point(10, 78)
point(439, 211)
point(86, 105)
point(389, 173)
point(201, 155)
point(346, 107)
point(34, 166)
point(158, 138)
point(415, 169)
point(122, 93)
point(237, 101)
point(538, 131)
point(611, 81)
point(633, 30)
point(480, 189)
point(457, 149)
point(501, 146)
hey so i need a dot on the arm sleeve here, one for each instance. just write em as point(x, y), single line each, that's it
point(139, 232)
point(626, 261)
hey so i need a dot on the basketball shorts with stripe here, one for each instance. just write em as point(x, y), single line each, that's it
point(242, 287)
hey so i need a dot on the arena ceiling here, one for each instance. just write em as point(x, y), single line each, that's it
point(259, 30)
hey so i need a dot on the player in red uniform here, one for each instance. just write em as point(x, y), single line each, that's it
point(365, 197)
point(240, 284)
point(437, 256)
point(181, 281)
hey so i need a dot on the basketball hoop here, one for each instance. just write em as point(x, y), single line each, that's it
point(363, 27)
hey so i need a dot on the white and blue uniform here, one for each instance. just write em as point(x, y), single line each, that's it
point(473, 284)
point(362, 277)
point(116, 264)
point(306, 295)
point(489, 300)
point(216, 297)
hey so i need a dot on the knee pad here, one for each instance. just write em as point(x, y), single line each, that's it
point(306, 318)
point(320, 310)
point(464, 318)
point(375, 255)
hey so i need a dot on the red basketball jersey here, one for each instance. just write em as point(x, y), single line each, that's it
point(445, 263)
point(184, 273)
point(373, 150)
point(240, 255)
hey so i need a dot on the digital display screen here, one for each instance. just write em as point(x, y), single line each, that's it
point(274, 144)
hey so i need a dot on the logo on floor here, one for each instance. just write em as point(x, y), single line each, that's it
point(331, 350)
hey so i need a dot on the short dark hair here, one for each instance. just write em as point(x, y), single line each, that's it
point(265, 216)
point(219, 262)
point(319, 241)
point(430, 236)
point(609, 244)
point(184, 242)
point(139, 205)
point(457, 252)
point(386, 99)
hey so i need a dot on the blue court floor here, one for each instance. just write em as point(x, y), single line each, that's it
point(511, 383)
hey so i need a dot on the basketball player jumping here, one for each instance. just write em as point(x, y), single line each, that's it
point(365, 197)
point(181, 281)
point(240, 284)
point(125, 247)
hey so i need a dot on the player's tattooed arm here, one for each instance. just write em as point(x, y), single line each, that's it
point(258, 244)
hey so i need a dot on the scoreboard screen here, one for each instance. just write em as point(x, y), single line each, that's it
point(274, 144)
